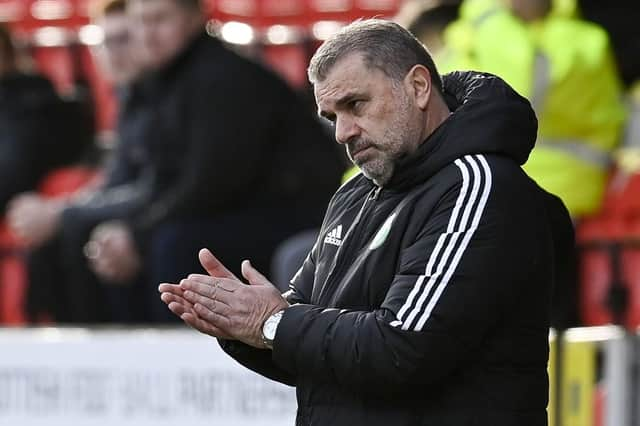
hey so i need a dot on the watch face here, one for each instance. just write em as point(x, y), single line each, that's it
point(270, 328)
point(271, 325)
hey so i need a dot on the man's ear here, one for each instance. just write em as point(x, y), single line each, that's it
point(418, 83)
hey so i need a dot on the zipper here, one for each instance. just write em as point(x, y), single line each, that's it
point(351, 237)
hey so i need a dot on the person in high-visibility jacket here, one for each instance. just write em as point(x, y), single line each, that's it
point(564, 66)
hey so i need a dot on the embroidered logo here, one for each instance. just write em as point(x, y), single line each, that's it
point(334, 237)
point(383, 232)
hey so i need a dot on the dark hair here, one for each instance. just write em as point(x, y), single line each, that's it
point(384, 45)
point(7, 48)
point(108, 7)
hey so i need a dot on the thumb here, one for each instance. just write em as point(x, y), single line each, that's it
point(252, 275)
point(213, 266)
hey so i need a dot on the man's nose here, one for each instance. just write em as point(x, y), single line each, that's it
point(346, 129)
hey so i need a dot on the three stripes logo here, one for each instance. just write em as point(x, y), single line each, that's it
point(334, 237)
point(451, 245)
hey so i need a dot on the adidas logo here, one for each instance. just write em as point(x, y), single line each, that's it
point(334, 237)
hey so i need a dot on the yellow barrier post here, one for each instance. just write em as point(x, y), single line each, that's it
point(595, 377)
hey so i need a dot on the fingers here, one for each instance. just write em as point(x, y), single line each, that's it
point(203, 326)
point(215, 318)
point(169, 298)
point(195, 298)
point(178, 309)
point(252, 275)
point(220, 290)
point(170, 288)
point(213, 266)
point(211, 305)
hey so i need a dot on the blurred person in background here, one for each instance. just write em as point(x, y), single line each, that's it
point(40, 131)
point(61, 284)
point(203, 114)
point(218, 117)
point(565, 67)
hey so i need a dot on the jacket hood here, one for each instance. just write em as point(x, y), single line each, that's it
point(488, 117)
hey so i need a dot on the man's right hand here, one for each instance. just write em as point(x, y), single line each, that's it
point(173, 296)
point(34, 219)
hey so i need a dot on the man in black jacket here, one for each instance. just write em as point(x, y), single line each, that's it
point(425, 300)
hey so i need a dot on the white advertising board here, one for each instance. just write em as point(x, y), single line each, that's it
point(79, 377)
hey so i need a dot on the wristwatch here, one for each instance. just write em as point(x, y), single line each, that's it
point(270, 327)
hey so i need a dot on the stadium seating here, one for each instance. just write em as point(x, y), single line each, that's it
point(610, 257)
point(13, 276)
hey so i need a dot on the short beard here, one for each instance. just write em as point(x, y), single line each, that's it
point(398, 144)
point(379, 170)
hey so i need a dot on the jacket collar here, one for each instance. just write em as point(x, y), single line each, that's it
point(488, 117)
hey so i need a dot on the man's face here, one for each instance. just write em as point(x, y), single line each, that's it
point(118, 54)
point(373, 116)
point(163, 28)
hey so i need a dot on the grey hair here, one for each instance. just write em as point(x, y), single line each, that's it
point(384, 45)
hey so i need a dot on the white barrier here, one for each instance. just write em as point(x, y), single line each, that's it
point(78, 377)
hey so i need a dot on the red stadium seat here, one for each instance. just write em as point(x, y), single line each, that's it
point(57, 64)
point(290, 61)
point(281, 12)
point(237, 10)
point(384, 8)
point(12, 280)
point(13, 275)
point(13, 10)
point(330, 10)
point(610, 252)
point(623, 195)
point(66, 181)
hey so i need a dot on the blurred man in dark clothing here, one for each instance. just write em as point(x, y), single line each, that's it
point(61, 283)
point(40, 131)
point(215, 117)
point(204, 114)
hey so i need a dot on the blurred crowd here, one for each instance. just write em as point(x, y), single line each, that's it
point(215, 150)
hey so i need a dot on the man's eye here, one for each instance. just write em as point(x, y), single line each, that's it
point(331, 120)
point(356, 105)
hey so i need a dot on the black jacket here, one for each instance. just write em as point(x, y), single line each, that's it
point(214, 133)
point(426, 302)
point(39, 131)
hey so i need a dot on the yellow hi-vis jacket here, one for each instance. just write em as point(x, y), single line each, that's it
point(564, 66)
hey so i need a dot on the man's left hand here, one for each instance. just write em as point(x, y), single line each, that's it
point(230, 306)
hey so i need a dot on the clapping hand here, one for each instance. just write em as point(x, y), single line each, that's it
point(221, 305)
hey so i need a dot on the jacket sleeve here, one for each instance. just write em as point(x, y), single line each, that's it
point(125, 191)
point(259, 360)
point(452, 285)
